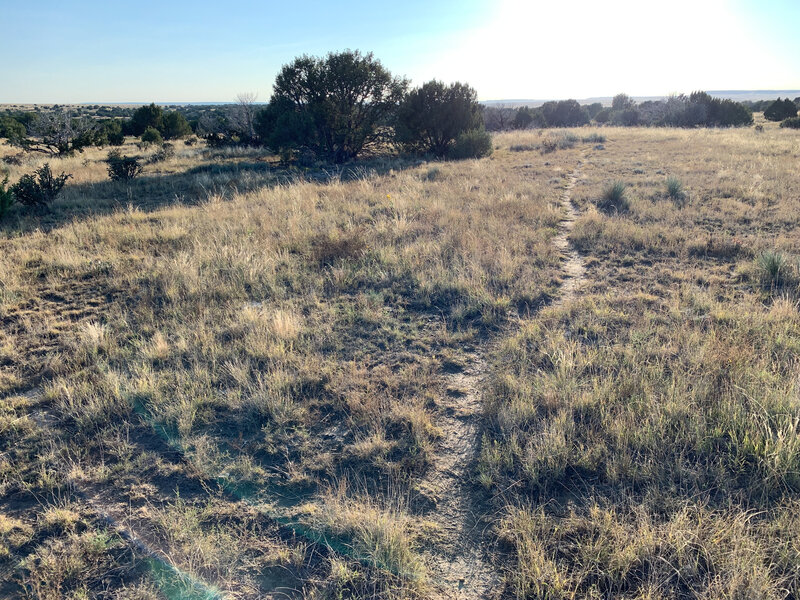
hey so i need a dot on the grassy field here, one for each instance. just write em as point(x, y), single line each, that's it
point(230, 379)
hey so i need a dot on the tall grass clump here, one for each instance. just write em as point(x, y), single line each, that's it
point(676, 192)
point(379, 536)
point(773, 269)
point(614, 199)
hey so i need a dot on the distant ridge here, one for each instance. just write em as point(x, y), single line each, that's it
point(738, 95)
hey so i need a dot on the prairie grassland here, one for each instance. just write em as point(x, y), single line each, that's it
point(249, 364)
point(282, 340)
point(644, 436)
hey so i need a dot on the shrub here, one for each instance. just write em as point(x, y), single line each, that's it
point(41, 188)
point(594, 138)
point(166, 152)
point(111, 132)
point(675, 191)
point(780, 110)
point(433, 174)
point(791, 122)
point(558, 141)
point(614, 199)
point(12, 130)
point(567, 140)
point(549, 144)
point(699, 109)
point(122, 168)
point(475, 143)
point(6, 198)
point(151, 136)
point(430, 118)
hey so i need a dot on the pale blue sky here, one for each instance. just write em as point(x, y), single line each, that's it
point(92, 51)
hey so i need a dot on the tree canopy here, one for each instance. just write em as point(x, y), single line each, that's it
point(431, 117)
point(334, 105)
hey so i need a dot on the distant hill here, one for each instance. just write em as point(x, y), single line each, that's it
point(738, 95)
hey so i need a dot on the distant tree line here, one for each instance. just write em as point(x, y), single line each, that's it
point(61, 131)
point(698, 109)
point(331, 108)
point(339, 106)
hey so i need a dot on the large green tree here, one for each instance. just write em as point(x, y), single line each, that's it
point(174, 126)
point(147, 116)
point(334, 105)
point(431, 117)
point(780, 110)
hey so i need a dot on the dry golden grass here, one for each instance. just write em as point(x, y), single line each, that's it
point(644, 433)
point(279, 338)
point(285, 331)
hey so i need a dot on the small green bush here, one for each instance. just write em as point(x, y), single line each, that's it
point(166, 152)
point(614, 199)
point(41, 188)
point(152, 136)
point(594, 138)
point(433, 174)
point(549, 144)
point(791, 123)
point(773, 268)
point(567, 140)
point(475, 143)
point(675, 191)
point(122, 168)
point(6, 198)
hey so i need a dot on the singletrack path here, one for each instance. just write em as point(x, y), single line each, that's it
point(461, 566)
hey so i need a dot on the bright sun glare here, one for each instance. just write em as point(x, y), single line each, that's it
point(639, 47)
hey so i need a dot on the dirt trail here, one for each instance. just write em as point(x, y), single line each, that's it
point(463, 568)
point(574, 269)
